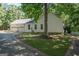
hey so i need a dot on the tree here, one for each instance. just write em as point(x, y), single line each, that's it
point(9, 14)
point(68, 13)
point(32, 10)
point(35, 10)
point(1, 16)
point(46, 18)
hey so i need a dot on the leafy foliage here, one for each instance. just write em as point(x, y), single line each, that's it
point(32, 10)
point(9, 14)
point(68, 13)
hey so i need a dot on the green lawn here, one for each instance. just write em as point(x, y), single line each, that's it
point(51, 47)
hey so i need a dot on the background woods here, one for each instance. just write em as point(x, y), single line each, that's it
point(69, 13)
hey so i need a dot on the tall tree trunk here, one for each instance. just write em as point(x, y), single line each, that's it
point(45, 19)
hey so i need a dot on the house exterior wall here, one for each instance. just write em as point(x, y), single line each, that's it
point(54, 25)
point(32, 26)
point(26, 27)
point(17, 27)
point(39, 22)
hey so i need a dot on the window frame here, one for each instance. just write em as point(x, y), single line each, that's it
point(35, 26)
point(41, 26)
point(29, 27)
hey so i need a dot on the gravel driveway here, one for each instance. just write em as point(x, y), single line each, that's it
point(10, 46)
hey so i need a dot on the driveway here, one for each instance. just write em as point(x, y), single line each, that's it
point(10, 46)
point(74, 48)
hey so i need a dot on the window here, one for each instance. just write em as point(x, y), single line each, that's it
point(29, 27)
point(35, 26)
point(41, 26)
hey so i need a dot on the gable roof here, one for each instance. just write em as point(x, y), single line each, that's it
point(30, 20)
point(21, 21)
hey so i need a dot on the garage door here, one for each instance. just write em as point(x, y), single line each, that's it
point(21, 30)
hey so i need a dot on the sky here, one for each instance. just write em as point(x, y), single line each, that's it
point(17, 4)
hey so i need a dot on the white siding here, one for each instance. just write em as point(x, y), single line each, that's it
point(40, 21)
point(54, 25)
point(17, 27)
point(32, 25)
point(26, 27)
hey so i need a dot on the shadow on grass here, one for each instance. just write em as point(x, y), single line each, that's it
point(52, 47)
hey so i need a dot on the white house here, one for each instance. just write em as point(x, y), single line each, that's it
point(28, 25)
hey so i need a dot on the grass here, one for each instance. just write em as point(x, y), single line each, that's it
point(51, 47)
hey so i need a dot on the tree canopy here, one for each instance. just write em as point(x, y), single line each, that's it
point(9, 14)
point(69, 13)
point(32, 10)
